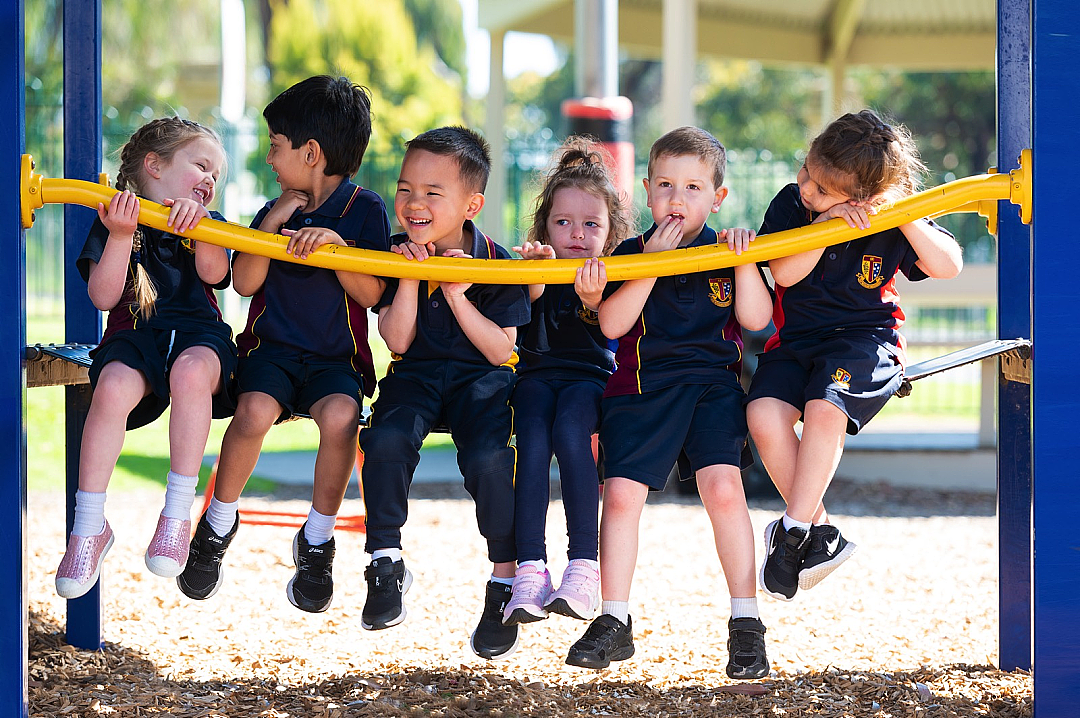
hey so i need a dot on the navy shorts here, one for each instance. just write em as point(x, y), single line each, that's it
point(856, 372)
point(297, 382)
point(152, 352)
point(643, 436)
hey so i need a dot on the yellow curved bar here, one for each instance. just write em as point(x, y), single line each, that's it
point(966, 194)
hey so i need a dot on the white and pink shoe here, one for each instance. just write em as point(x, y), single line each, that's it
point(578, 595)
point(531, 590)
point(81, 565)
point(168, 551)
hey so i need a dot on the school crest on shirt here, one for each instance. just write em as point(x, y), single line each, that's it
point(589, 316)
point(720, 291)
point(842, 377)
point(870, 273)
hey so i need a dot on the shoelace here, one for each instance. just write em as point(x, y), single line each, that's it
point(578, 577)
point(312, 570)
point(531, 586)
point(744, 641)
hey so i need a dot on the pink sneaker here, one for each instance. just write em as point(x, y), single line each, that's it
point(578, 595)
point(79, 569)
point(168, 551)
point(531, 590)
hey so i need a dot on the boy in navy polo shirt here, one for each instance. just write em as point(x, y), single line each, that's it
point(837, 354)
point(675, 392)
point(453, 347)
point(305, 347)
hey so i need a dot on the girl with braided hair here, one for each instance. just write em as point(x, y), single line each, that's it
point(566, 361)
point(164, 339)
point(837, 354)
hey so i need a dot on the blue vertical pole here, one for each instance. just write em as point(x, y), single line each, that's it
point(82, 322)
point(1056, 385)
point(13, 595)
point(1014, 320)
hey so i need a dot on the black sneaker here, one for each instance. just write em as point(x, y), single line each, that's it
point(492, 639)
point(746, 649)
point(387, 581)
point(606, 639)
point(201, 577)
point(312, 586)
point(828, 549)
point(784, 552)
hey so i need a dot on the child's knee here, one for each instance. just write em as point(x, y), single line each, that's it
point(338, 418)
point(474, 464)
point(255, 414)
point(721, 488)
point(386, 443)
point(194, 372)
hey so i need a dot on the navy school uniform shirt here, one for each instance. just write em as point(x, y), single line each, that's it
point(184, 301)
point(303, 308)
point(563, 340)
point(438, 335)
point(686, 333)
point(852, 287)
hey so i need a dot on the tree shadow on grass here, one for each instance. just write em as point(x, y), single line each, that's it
point(120, 681)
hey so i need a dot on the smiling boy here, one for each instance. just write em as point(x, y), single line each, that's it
point(676, 392)
point(319, 130)
point(453, 363)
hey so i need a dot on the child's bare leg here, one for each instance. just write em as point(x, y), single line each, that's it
point(337, 417)
point(119, 390)
point(772, 425)
point(193, 380)
point(824, 428)
point(721, 490)
point(255, 413)
point(622, 504)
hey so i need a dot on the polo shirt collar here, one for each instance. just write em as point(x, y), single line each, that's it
point(481, 245)
point(336, 204)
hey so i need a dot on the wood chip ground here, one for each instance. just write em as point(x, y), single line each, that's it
point(908, 627)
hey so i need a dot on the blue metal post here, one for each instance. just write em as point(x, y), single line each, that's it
point(1056, 386)
point(1014, 320)
point(13, 591)
point(82, 322)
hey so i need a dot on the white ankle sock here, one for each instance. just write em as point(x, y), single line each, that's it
point(319, 527)
point(618, 609)
point(538, 565)
point(394, 554)
point(790, 523)
point(744, 607)
point(504, 580)
point(89, 513)
point(221, 516)
point(179, 496)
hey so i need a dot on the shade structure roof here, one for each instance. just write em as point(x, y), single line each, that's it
point(931, 35)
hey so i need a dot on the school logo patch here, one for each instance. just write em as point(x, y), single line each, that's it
point(843, 378)
point(720, 291)
point(870, 274)
point(589, 316)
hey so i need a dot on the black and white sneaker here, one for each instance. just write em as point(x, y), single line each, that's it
point(202, 574)
point(387, 582)
point(312, 586)
point(784, 552)
point(606, 639)
point(828, 549)
point(492, 639)
point(746, 649)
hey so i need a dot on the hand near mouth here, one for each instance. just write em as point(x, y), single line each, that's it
point(668, 235)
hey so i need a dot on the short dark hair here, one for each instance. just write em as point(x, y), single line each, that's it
point(466, 146)
point(333, 111)
point(693, 142)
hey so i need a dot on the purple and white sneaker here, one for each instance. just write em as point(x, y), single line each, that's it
point(578, 595)
point(168, 551)
point(531, 590)
point(79, 569)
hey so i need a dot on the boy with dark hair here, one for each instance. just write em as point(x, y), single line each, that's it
point(319, 129)
point(453, 346)
point(678, 358)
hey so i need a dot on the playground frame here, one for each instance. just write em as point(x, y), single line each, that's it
point(1038, 41)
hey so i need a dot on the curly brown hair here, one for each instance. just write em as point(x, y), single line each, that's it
point(863, 156)
point(582, 163)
